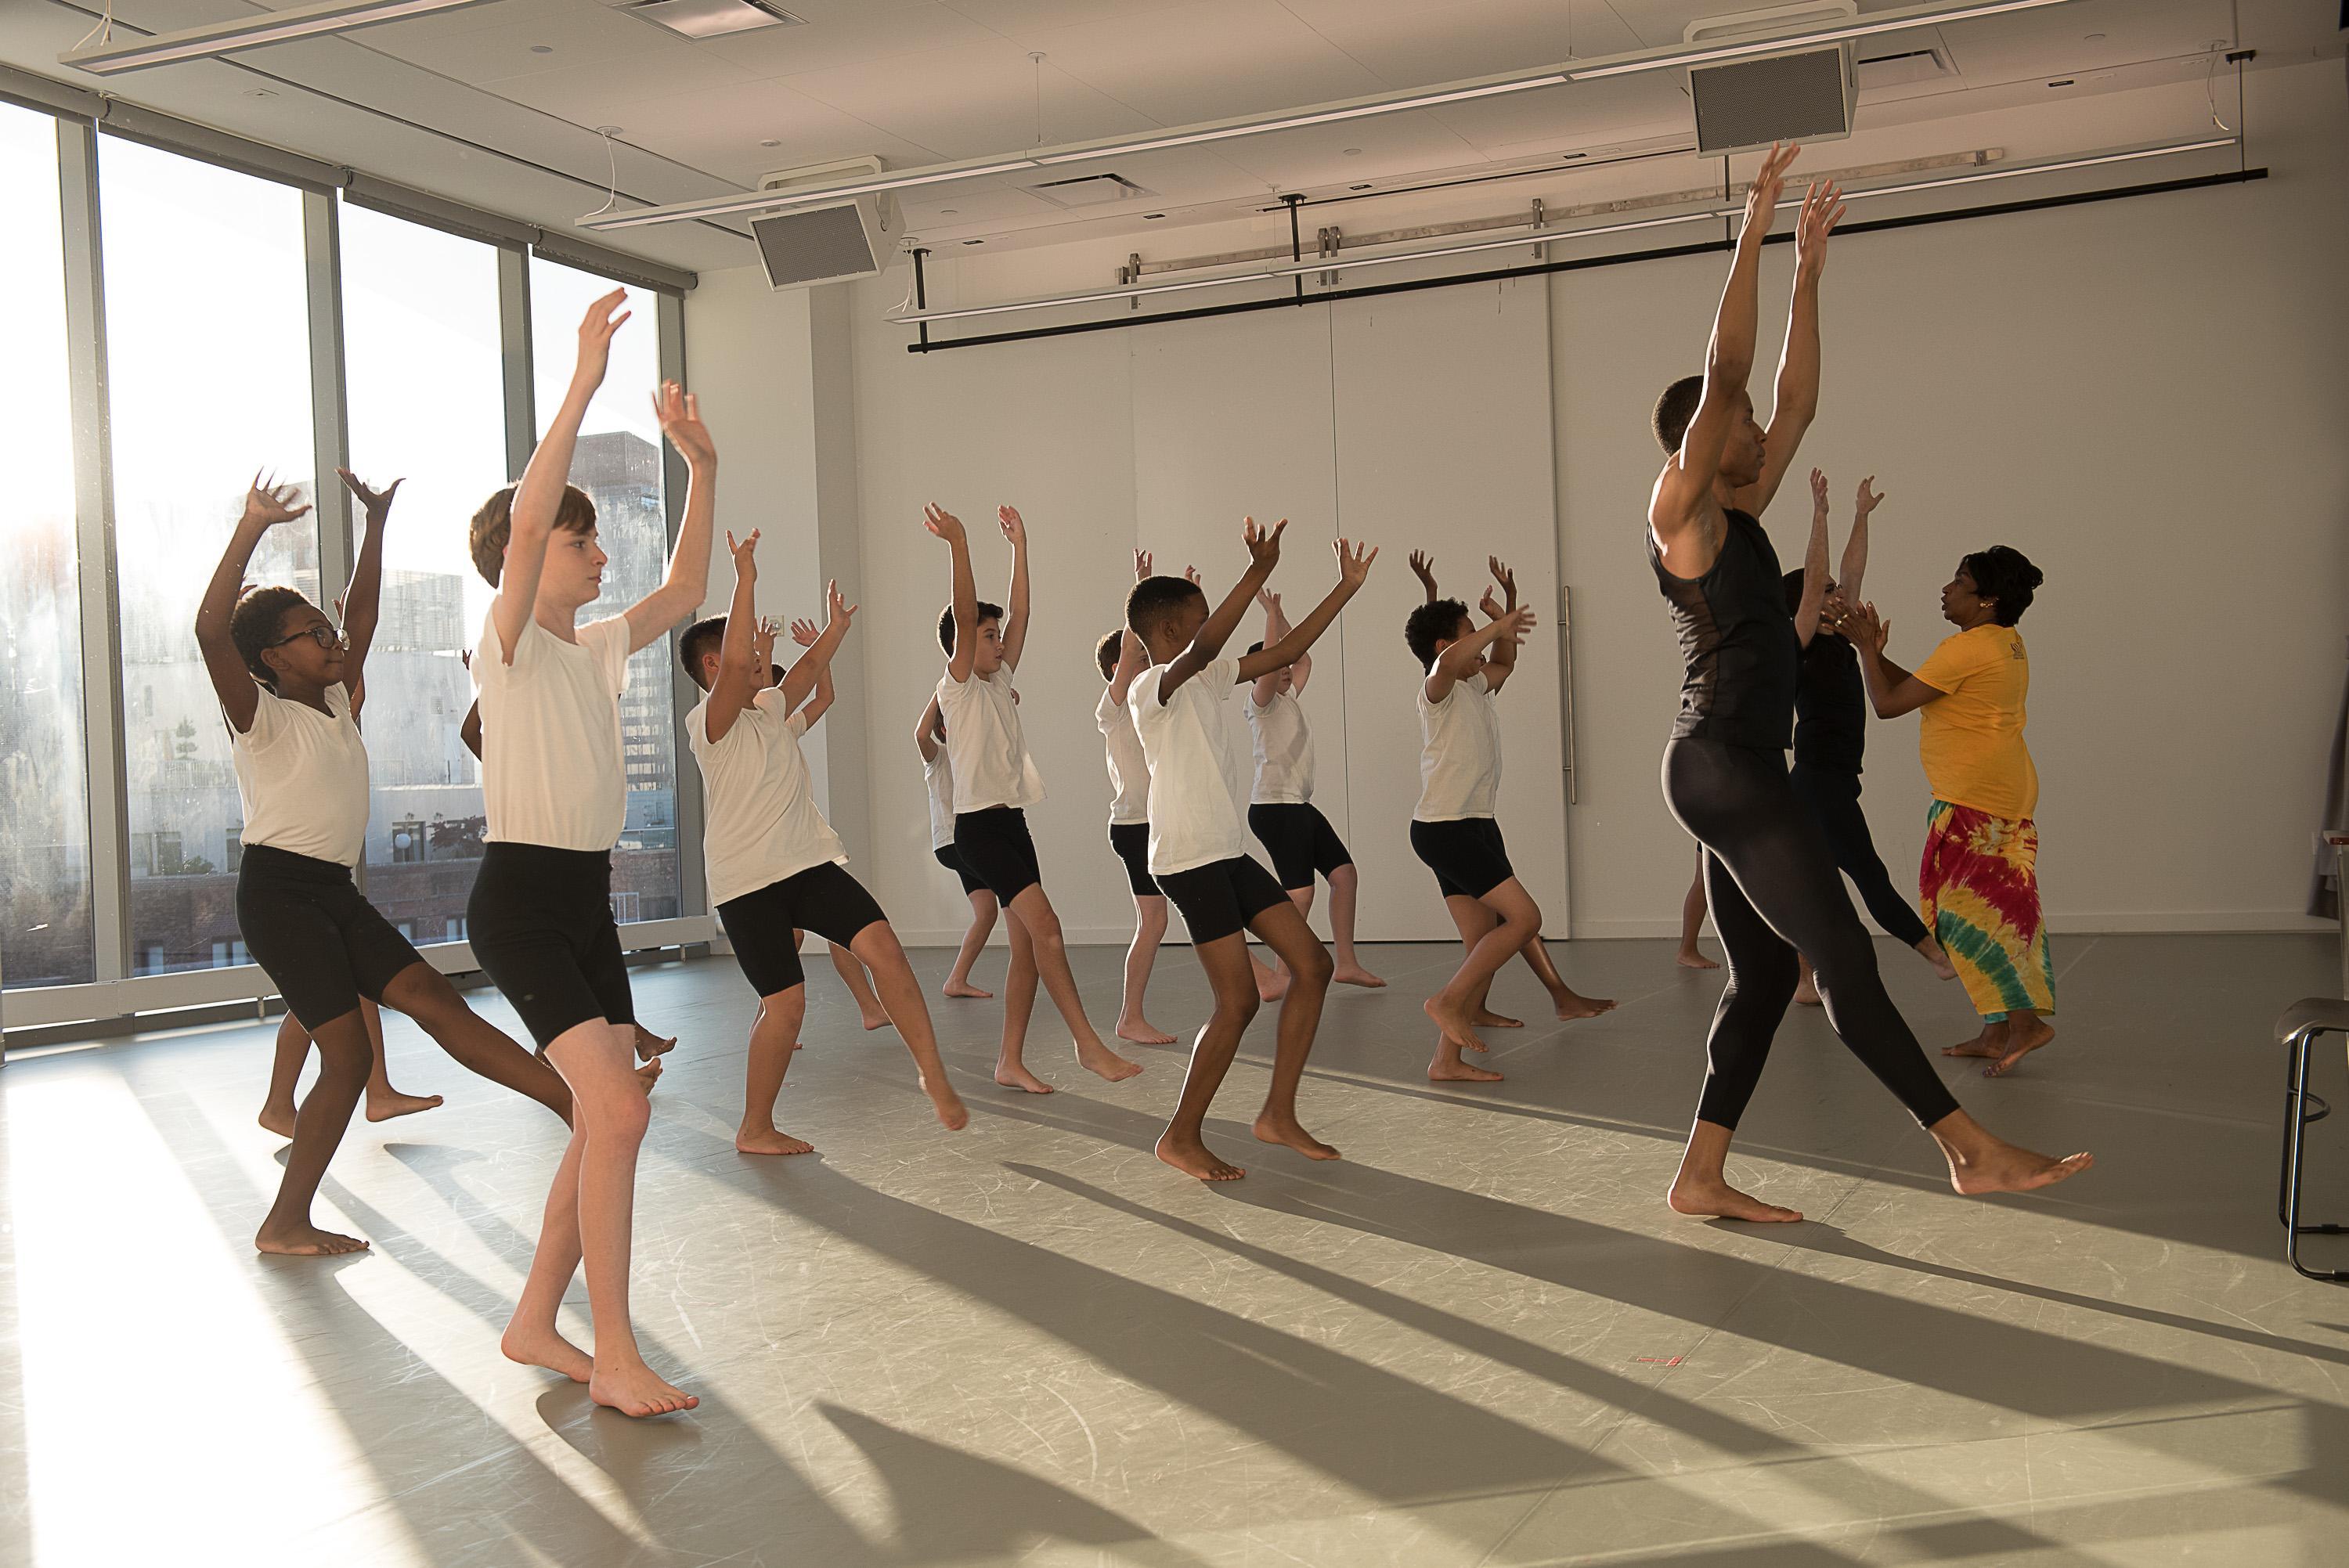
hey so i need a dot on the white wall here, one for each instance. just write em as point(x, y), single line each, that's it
point(2146, 396)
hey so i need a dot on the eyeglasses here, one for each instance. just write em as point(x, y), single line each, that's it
point(324, 635)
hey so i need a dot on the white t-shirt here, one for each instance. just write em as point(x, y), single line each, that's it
point(1129, 770)
point(986, 745)
point(551, 768)
point(938, 774)
point(1194, 820)
point(763, 824)
point(1284, 749)
point(302, 776)
point(1459, 752)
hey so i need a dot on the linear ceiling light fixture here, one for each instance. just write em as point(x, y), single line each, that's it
point(252, 32)
point(1329, 114)
point(1546, 236)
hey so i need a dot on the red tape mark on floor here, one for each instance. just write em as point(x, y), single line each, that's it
point(1658, 1360)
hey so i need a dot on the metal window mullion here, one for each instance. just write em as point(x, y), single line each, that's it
point(693, 891)
point(514, 345)
point(330, 425)
point(101, 590)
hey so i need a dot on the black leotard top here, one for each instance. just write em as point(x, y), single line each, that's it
point(1831, 705)
point(1737, 640)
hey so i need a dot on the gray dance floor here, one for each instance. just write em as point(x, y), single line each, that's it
point(1481, 1340)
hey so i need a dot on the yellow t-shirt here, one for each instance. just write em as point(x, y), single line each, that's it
point(1972, 739)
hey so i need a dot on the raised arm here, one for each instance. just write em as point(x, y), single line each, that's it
point(1132, 658)
point(1683, 491)
point(944, 524)
point(266, 504)
point(1891, 690)
point(1796, 402)
point(1264, 555)
point(1275, 626)
point(741, 672)
point(1502, 663)
point(539, 494)
point(801, 681)
point(1015, 614)
point(362, 600)
point(1353, 571)
point(1455, 663)
point(926, 734)
point(681, 591)
point(1814, 564)
point(1855, 548)
point(1423, 567)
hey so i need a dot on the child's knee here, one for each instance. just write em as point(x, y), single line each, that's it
point(1237, 1008)
point(1313, 965)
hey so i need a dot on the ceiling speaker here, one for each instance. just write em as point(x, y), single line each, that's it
point(848, 237)
point(1807, 93)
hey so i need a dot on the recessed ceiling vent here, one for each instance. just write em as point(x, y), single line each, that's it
point(713, 18)
point(1903, 68)
point(1088, 191)
point(1801, 93)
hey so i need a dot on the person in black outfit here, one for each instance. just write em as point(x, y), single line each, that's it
point(1769, 874)
point(1831, 735)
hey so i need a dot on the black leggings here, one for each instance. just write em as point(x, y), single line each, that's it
point(1832, 796)
point(1774, 889)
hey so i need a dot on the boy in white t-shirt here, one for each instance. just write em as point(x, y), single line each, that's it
point(1453, 829)
point(1281, 813)
point(994, 781)
point(1199, 844)
point(775, 864)
point(938, 781)
point(540, 918)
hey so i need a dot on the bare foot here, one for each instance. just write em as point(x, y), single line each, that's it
point(649, 1074)
point(2006, 1169)
point(1806, 993)
point(1191, 1157)
point(1017, 1076)
point(1460, 1072)
point(1103, 1062)
point(1573, 1006)
point(1288, 1134)
point(542, 1346)
point(649, 1045)
point(1455, 1023)
point(767, 1141)
point(1990, 1042)
point(398, 1104)
point(636, 1391)
point(1689, 959)
point(953, 1115)
point(2022, 1039)
point(1933, 953)
point(1355, 975)
point(1718, 1199)
point(1142, 1032)
point(1269, 987)
point(305, 1241)
point(873, 1020)
point(963, 988)
point(278, 1119)
point(1488, 1019)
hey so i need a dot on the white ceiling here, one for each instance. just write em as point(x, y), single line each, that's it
point(496, 104)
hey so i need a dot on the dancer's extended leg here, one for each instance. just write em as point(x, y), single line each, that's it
point(974, 942)
point(319, 1127)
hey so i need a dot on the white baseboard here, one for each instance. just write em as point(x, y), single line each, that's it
point(2092, 922)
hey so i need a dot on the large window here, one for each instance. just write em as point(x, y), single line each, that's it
point(208, 351)
point(619, 463)
point(426, 403)
point(45, 866)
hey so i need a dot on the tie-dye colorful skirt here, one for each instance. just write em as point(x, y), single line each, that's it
point(1979, 892)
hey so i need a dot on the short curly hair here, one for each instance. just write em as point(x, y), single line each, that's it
point(1107, 652)
point(257, 624)
point(494, 525)
point(987, 613)
point(1435, 622)
point(1674, 412)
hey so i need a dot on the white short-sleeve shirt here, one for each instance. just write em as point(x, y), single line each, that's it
point(1194, 820)
point(551, 758)
point(1283, 741)
point(986, 745)
point(1129, 768)
point(302, 776)
point(937, 774)
point(1459, 752)
point(763, 824)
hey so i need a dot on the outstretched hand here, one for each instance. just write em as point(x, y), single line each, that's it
point(268, 503)
point(1867, 501)
point(1492, 607)
point(746, 561)
point(1866, 630)
point(1819, 492)
point(942, 524)
point(1014, 528)
point(595, 330)
point(762, 642)
point(679, 413)
point(1518, 623)
point(378, 503)
point(1769, 183)
point(836, 608)
point(806, 632)
point(1263, 543)
point(1423, 567)
point(1353, 566)
point(1140, 564)
point(1267, 601)
point(1191, 575)
point(1822, 211)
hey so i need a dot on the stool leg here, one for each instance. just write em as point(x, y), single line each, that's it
point(2293, 1170)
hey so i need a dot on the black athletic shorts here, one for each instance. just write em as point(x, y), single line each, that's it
point(540, 921)
point(1131, 842)
point(823, 898)
point(1300, 839)
point(1222, 896)
point(322, 945)
point(995, 845)
point(1466, 855)
point(971, 883)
